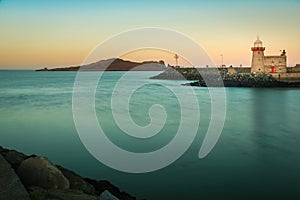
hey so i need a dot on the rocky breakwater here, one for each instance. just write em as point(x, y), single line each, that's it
point(220, 77)
point(260, 80)
point(34, 177)
point(188, 73)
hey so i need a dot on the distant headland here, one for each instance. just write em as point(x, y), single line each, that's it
point(114, 64)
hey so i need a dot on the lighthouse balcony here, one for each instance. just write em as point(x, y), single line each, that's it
point(258, 48)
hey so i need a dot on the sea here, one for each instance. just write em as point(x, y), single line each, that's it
point(257, 155)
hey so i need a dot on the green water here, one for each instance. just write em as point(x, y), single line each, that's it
point(256, 157)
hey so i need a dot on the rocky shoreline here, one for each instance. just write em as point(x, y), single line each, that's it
point(221, 78)
point(246, 80)
point(36, 178)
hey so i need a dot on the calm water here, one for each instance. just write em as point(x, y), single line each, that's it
point(257, 156)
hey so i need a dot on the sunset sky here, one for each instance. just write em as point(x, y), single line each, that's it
point(35, 33)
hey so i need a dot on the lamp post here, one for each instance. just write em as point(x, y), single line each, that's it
point(176, 58)
point(221, 60)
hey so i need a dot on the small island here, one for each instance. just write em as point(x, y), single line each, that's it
point(114, 64)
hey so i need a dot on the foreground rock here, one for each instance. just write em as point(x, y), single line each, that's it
point(38, 171)
point(13, 157)
point(10, 185)
point(77, 182)
point(106, 195)
point(101, 186)
point(45, 181)
point(37, 193)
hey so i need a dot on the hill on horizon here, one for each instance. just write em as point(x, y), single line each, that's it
point(114, 64)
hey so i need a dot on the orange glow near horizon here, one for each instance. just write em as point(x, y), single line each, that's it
point(57, 33)
point(35, 56)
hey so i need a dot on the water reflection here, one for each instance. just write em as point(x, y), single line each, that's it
point(269, 116)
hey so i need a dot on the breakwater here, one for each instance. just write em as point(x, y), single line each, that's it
point(202, 76)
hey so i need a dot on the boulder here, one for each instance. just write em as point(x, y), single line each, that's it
point(13, 157)
point(10, 184)
point(57, 194)
point(101, 186)
point(46, 181)
point(77, 182)
point(38, 171)
point(106, 195)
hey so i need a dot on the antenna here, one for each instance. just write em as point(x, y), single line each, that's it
point(176, 59)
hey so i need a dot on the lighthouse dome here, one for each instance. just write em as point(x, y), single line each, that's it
point(258, 42)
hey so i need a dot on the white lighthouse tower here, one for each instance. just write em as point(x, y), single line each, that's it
point(257, 64)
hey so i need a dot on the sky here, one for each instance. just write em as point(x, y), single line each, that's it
point(36, 33)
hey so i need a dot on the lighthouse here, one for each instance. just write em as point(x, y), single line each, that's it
point(257, 64)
